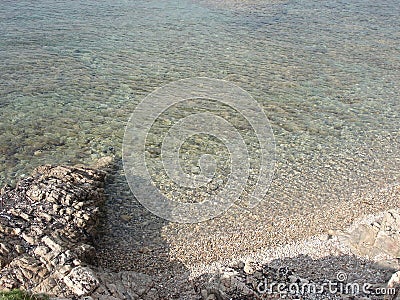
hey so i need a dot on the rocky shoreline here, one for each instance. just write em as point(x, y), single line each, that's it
point(46, 226)
point(48, 221)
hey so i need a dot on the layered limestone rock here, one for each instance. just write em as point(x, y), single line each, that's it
point(378, 239)
point(46, 223)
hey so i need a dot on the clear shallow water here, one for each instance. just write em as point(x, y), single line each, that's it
point(326, 73)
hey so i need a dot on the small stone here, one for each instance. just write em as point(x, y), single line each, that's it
point(126, 218)
point(56, 208)
point(69, 199)
point(45, 216)
point(81, 281)
point(64, 270)
point(16, 231)
point(41, 251)
point(80, 222)
point(80, 204)
point(29, 239)
point(258, 275)
point(51, 244)
point(248, 269)
point(21, 214)
point(63, 259)
point(37, 152)
point(19, 249)
point(104, 162)
point(394, 280)
point(37, 231)
point(45, 286)
point(54, 262)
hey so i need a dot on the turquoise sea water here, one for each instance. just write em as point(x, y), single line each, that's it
point(327, 74)
point(72, 72)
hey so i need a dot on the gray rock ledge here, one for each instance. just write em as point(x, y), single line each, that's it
point(46, 225)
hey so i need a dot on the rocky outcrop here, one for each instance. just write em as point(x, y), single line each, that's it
point(125, 285)
point(378, 239)
point(46, 223)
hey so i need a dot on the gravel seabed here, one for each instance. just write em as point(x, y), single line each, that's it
point(317, 258)
point(244, 233)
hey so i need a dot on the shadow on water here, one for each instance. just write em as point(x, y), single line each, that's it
point(130, 238)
